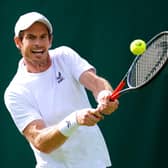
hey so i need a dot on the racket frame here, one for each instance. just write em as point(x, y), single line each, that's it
point(119, 90)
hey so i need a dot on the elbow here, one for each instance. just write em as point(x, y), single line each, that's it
point(43, 148)
point(47, 146)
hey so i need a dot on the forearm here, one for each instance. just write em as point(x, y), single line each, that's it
point(44, 138)
point(49, 139)
point(101, 84)
point(101, 90)
point(94, 83)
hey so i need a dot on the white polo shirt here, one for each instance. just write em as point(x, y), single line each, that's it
point(52, 95)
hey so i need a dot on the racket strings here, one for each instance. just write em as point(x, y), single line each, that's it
point(150, 62)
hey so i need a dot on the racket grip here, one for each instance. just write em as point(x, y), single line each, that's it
point(114, 96)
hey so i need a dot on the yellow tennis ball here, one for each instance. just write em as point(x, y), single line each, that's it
point(138, 47)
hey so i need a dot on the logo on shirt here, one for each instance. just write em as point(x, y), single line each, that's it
point(59, 77)
point(68, 124)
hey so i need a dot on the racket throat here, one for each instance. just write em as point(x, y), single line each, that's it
point(116, 92)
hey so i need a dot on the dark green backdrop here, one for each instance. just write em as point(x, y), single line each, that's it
point(101, 32)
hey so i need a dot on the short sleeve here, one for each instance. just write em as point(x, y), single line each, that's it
point(21, 109)
point(73, 61)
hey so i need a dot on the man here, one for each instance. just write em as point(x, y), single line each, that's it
point(48, 102)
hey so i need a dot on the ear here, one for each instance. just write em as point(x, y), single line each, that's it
point(17, 42)
point(50, 40)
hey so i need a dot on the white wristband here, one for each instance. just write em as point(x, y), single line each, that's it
point(68, 125)
point(102, 94)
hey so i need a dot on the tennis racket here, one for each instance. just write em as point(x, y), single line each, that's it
point(145, 67)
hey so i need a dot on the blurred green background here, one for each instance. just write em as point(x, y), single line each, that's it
point(101, 32)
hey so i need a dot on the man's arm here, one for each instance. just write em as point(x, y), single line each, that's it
point(44, 138)
point(94, 83)
point(97, 85)
point(47, 139)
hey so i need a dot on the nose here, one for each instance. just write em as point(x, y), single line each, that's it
point(37, 42)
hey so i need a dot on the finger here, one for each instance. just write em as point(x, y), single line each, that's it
point(97, 113)
point(99, 116)
point(95, 118)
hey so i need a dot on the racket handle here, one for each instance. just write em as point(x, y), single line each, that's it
point(116, 92)
point(114, 96)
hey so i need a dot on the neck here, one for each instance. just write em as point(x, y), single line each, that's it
point(37, 66)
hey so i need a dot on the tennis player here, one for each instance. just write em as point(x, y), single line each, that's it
point(48, 103)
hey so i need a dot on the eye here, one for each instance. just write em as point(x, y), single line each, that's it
point(44, 36)
point(30, 37)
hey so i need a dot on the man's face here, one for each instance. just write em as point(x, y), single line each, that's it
point(35, 43)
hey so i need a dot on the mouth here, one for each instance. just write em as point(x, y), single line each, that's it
point(39, 51)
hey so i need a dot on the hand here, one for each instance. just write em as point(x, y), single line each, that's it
point(105, 106)
point(89, 116)
point(108, 108)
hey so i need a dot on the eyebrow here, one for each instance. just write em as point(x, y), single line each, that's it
point(31, 34)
